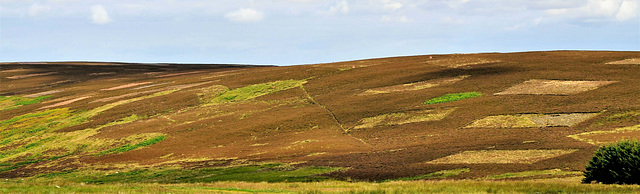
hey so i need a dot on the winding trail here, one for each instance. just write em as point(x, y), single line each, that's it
point(333, 115)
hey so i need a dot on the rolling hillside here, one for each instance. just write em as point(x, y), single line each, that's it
point(492, 115)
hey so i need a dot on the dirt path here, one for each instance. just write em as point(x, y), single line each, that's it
point(335, 118)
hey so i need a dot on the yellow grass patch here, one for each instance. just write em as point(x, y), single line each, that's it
point(553, 87)
point(532, 120)
point(126, 86)
point(533, 173)
point(30, 75)
point(605, 137)
point(632, 61)
point(405, 117)
point(456, 62)
point(65, 102)
point(415, 85)
point(501, 156)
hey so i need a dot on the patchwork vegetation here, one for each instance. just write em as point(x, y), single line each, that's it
point(195, 127)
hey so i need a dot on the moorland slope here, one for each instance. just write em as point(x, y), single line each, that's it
point(491, 115)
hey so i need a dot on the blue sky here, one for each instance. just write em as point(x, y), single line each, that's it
point(289, 32)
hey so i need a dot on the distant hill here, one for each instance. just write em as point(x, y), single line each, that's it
point(416, 117)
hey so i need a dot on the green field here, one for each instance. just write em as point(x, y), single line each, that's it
point(564, 185)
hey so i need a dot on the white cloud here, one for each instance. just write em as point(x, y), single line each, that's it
point(99, 15)
point(37, 9)
point(628, 10)
point(245, 15)
point(598, 10)
point(456, 3)
point(388, 18)
point(391, 6)
point(451, 21)
point(340, 7)
point(603, 7)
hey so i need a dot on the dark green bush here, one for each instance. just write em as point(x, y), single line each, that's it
point(615, 164)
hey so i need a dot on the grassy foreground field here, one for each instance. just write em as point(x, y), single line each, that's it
point(565, 185)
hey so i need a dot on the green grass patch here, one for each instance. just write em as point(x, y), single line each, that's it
point(564, 185)
point(453, 97)
point(12, 102)
point(257, 90)
point(272, 172)
point(39, 114)
point(129, 147)
point(533, 173)
point(435, 175)
point(231, 190)
point(28, 101)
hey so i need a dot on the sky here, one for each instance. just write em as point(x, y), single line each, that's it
point(293, 32)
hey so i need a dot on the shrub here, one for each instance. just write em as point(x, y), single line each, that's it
point(615, 164)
